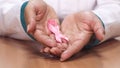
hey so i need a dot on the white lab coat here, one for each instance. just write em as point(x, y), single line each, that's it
point(107, 10)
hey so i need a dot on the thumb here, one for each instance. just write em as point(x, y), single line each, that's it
point(72, 49)
point(30, 15)
point(99, 30)
point(99, 34)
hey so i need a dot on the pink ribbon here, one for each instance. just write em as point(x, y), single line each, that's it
point(54, 28)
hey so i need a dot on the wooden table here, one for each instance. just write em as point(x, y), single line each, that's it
point(25, 54)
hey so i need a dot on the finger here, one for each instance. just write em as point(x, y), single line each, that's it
point(41, 12)
point(62, 46)
point(59, 49)
point(44, 38)
point(99, 30)
point(56, 51)
point(47, 50)
point(73, 49)
point(31, 27)
point(30, 15)
point(100, 34)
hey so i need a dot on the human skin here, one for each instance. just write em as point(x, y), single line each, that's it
point(37, 13)
point(79, 27)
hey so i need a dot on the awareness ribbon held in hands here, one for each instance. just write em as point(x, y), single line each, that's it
point(54, 28)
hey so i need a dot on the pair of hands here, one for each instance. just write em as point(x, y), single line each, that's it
point(77, 27)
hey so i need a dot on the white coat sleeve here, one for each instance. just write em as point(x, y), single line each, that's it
point(10, 23)
point(109, 12)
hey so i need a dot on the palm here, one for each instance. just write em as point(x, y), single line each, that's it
point(78, 31)
point(79, 28)
point(37, 13)
point(42, 33)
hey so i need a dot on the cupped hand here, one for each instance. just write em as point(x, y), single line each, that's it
point(37, 14)
point(79, 28)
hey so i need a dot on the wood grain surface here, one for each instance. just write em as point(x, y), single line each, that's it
point(25, 54)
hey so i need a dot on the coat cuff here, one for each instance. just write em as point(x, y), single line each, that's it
point(22, 18)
